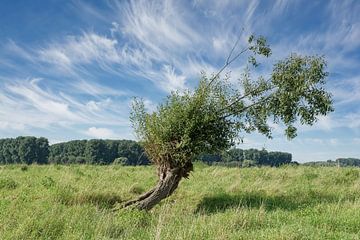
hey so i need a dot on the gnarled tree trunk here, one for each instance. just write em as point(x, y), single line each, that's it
point(169, 179)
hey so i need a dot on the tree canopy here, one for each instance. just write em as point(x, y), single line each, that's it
point(216, 114)
point(213, 116)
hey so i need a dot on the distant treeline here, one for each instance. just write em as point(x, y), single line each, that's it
point(25, 150)
point(341, 162)
point(97, 151)
point(28, 150)
point(247, 158)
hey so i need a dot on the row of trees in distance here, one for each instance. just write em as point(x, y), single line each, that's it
point(248, 158)
point(97, 151)
point(340, 162)
point(28, 150)
point(25, 150)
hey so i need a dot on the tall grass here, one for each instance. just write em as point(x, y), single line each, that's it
point(78, 202)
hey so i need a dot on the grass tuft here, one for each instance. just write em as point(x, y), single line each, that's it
point(8, 183)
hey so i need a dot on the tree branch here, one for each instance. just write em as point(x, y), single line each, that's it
point(241, 97)
point(227, 63)
point(230, 60)
point(248, 107)
point(233, 48)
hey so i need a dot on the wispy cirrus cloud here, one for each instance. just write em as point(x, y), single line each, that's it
point(95, 89)
point(25, 104)
point(86, 49)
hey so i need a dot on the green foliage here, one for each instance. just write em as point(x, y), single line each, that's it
point(184, 126)
point(29, 150)
point(97, 151)
point(300, 91)
point(236, 157)
point(7, 183)
point(213, 117)
point(56, 202)
point(348, 162)
point(26, 150)
point(340, 162)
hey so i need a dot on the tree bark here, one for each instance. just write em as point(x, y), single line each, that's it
point(168, 181)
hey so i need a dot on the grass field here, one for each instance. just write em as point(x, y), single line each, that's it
point(77, 202)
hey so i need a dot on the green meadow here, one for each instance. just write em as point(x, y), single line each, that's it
point(83, 202)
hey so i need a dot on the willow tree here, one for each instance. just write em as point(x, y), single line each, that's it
point(214, 115)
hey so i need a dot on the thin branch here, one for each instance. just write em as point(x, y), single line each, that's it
point(230, 60)
point(227, 64)
point(233, 48)
point(249, 106)
point(241, 97)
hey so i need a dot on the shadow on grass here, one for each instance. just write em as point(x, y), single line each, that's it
point(101, 200)
point(222, 202)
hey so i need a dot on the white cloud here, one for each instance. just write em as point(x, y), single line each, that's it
point(150, 105)
point(82, 49)
point(174, 81)
point(158, 40)
point(88, 11)
point(6, 125)
point(154, 22)
point(248, 20)
point(346, 91)
point(352, 120)
point(344, 17)
point(103, 133)
point(27, 104)
point(98, 105)
point(160, 36)
point(55, 141)
point(32, 95)
point(317, 141)
point(219, 43)
point(325, 123)
point(280, 5)
point(333, 141)
point(95, 89)
point(14, 48)
point(55, 56)
point(114, 29)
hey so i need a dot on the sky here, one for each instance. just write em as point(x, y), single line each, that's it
point(70, 69)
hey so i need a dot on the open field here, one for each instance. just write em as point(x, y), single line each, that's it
point(76, 202)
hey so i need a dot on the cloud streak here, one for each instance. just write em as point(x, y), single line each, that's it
point(25, 104)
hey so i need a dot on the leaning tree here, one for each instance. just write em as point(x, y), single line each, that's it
point(214, 115)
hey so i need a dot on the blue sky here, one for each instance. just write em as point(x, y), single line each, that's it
point(69, 69)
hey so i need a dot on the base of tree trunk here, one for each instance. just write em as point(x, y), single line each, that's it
point(169, 179)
